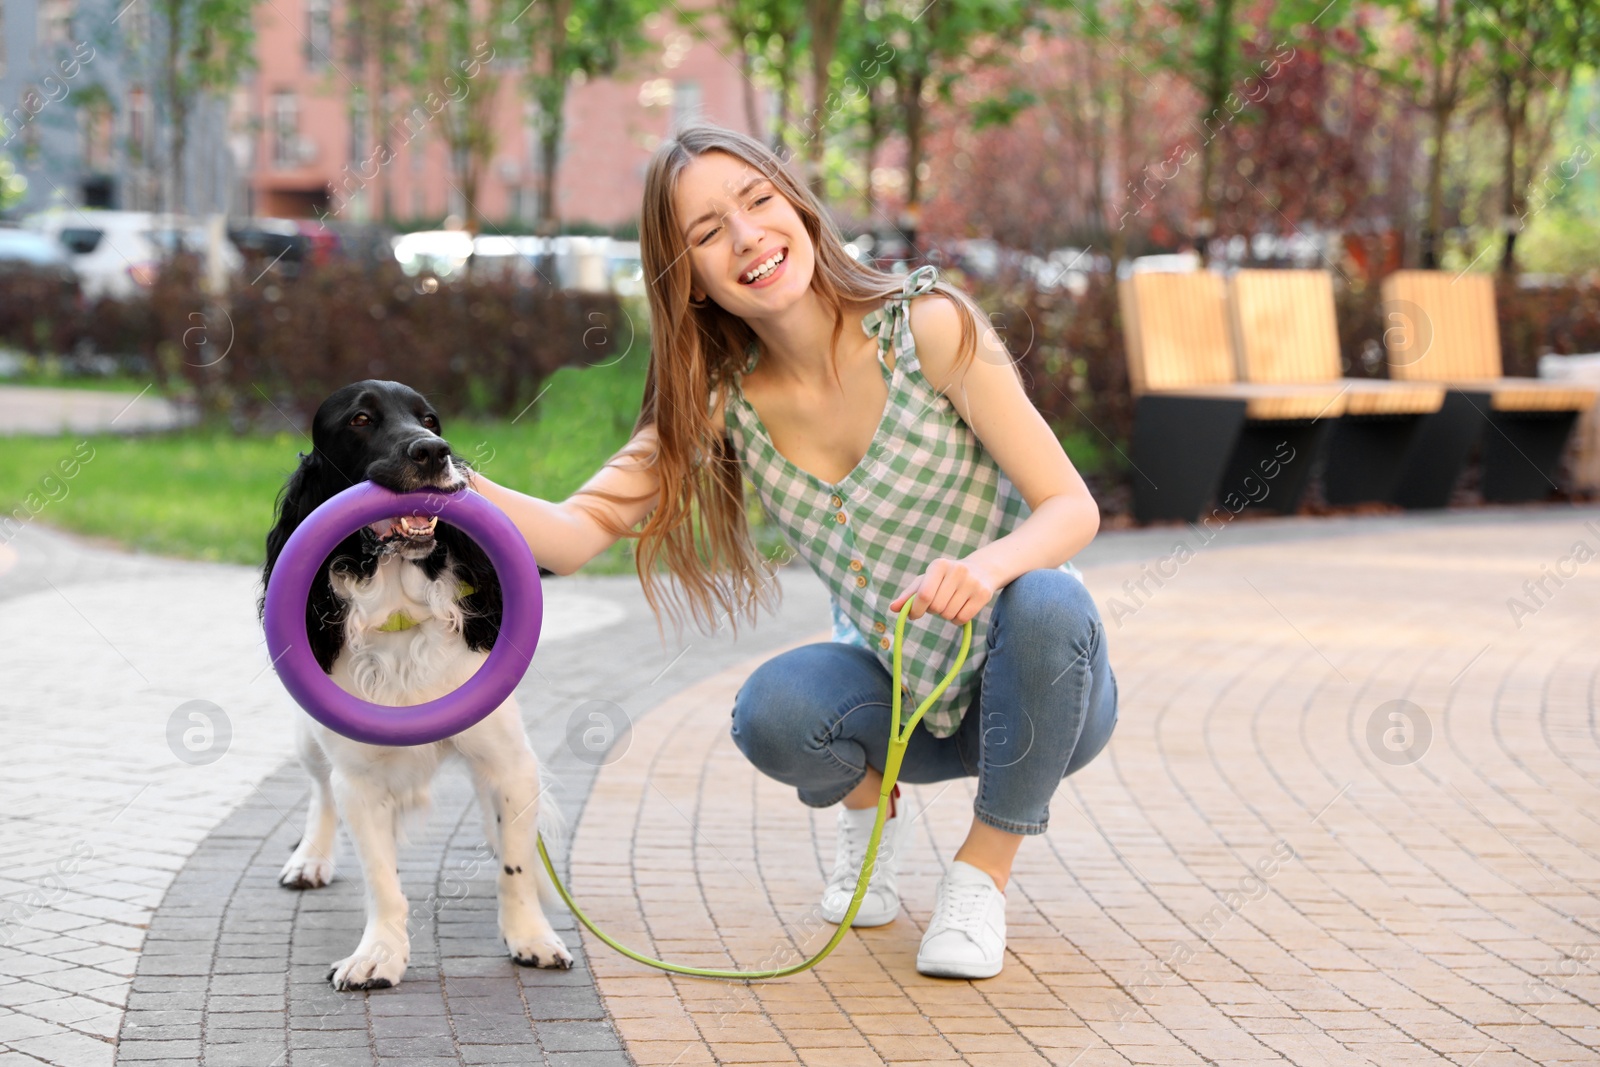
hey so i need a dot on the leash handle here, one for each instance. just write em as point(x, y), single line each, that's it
point(898, 740)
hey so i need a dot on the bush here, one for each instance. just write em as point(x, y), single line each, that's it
point(1563, 319)
point(39, 312)
point(273, 350)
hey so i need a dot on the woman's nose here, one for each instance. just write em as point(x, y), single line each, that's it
point(746, 234)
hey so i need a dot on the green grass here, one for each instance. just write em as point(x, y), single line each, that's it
point(208, 493)
point(116, 383)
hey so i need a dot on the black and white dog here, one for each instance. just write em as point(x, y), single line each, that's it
point(406, 610)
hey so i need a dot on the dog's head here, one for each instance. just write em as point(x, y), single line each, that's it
point(386, 433)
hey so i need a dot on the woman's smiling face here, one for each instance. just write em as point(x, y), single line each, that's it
point(735, 220)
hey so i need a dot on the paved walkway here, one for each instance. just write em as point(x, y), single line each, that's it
point(1263, 867)
point(42, 410)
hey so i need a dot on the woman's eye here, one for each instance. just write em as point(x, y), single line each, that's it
point(708, 235)
point(763, 200)
point(361, 418)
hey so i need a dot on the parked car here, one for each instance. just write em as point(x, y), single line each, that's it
point(569, 261)
point(32, 252)
point(270, 244)
point(117, 253)
point(438, 252)
point(1162, 263)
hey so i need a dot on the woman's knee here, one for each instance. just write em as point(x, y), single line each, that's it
point(1049, 602)
point(784, 710)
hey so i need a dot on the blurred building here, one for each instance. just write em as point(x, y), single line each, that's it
point(78, 100)
point(298, 137)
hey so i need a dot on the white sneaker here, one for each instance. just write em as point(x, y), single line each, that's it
point(967, 936)
point(882, 901)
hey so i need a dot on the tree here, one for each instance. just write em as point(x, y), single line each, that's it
point(456, 47)
point(568, 39)
point(822, 20)
point(868, 86)
point(208, 44)
point(374, 40)
point(1428, 52)
point(936, 45)
point(13, 186)
point(742, 22)
point(1531, 48)
point(1221, 47)
point(1101, 110)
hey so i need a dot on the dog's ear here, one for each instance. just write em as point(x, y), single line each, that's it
point(325, 612)
point(297, 499)
point(483, 607)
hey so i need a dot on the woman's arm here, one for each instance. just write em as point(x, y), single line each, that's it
point(567, 535)
point(989, 396)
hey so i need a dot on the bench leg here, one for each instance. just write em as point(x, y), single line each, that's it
point(1522, 453)
point(1272, 463)
point(1439, 452)
point(1180, 447)
point(1364, 454)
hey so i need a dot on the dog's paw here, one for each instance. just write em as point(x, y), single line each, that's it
point(371, 966)
point(306, 870)
point(545, 951)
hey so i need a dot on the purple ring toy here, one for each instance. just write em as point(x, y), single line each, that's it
point(284, 616)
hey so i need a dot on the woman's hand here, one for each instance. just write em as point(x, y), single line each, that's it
point(954, 589)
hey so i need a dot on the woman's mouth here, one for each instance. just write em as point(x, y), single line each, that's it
point(767, 270)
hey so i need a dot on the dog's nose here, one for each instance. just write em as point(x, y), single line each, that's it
point(430, 451)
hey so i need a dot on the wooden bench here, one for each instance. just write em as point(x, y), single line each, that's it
point(1285, 332)
point(1199, 433)
point(1443, 328)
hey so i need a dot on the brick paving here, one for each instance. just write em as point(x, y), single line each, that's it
point(1250, 874)
point(98, 814)
point(1243, 876)
point(138, 895)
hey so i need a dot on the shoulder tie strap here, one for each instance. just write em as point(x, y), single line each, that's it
point(917, 282)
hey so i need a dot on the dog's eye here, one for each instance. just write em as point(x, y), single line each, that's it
point(361, 418)
point(431, 421)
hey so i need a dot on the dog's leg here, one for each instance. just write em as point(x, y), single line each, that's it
point(311, 864)
point(490, 811)
point(508, 772)
point(369, 808)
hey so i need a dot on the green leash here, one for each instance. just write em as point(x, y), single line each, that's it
point(898, 740)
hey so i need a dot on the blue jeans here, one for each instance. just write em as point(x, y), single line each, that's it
point(1045, 704)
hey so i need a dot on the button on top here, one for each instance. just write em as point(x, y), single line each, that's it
point(837, 500)
point(878, 626)
point(855, 564)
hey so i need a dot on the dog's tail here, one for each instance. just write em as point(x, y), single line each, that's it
point(553, 828)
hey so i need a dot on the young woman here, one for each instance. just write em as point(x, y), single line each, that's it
point(884, 428)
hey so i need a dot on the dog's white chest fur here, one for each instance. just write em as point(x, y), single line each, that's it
point(402, 666)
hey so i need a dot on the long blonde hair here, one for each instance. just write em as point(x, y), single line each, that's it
point(694, 351)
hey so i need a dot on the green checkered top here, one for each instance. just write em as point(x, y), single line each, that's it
point(926, 489)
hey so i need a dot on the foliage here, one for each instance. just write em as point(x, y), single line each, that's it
point(207, 46)
point(481, 345)
point(567, 41)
